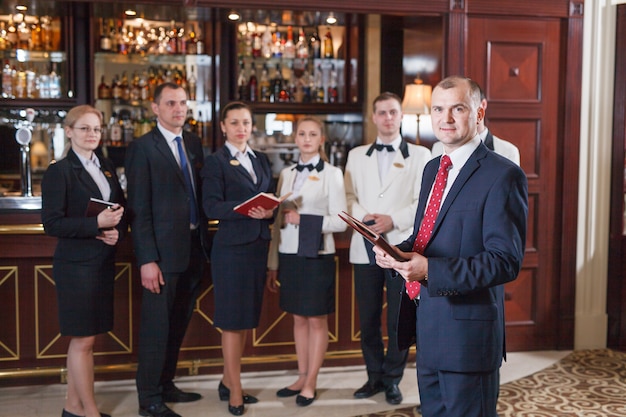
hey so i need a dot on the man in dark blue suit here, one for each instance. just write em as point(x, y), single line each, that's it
point(168, 231)
point(476, 246)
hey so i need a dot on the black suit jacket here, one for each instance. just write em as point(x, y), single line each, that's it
point(66, 190)
point(227, 184)
point(158, 201)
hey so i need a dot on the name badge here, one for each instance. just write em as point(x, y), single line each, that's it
point(234, 162)
point(314, 178)
point(107, 174)
point(398, 165)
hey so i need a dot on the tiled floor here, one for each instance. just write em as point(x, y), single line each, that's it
point(335, 388)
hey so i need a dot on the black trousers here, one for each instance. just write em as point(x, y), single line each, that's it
point(164, 320)
point(369, 281)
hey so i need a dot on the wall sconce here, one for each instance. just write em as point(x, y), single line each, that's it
point(331, 19)
point(417, 101)
point(234, 15)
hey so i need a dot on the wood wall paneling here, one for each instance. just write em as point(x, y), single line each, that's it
point(516, 62)
point(616, 291)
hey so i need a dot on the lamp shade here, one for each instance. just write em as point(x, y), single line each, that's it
point(416, 98)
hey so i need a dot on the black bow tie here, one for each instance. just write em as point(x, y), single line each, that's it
point(380, 147)
point(300, 167)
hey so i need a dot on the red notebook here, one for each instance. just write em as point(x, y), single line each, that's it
point(265, 200)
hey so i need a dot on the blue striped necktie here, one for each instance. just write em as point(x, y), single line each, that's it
point(184, 166)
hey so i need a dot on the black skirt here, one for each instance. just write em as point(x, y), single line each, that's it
point(307, 285)
point(85, 296)
point(239, 273)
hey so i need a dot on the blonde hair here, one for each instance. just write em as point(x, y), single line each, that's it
point(72, 116)
point(319, 124)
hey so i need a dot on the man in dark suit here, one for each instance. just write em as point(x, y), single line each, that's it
point(168, 230)
point(476, 246)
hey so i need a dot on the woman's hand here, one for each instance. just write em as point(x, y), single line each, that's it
point(110, 217)
point(272, 283)
point(109, 236)
point(260, 213)
point(291, 217)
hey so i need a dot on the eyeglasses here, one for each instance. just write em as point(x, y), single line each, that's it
point(89, 129)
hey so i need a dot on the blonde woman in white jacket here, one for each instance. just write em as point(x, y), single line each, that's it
point(302, 240)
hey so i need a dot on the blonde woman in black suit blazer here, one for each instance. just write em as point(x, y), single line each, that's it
point(230, 176)
point(84, 259)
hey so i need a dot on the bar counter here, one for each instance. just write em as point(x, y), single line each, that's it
point(32, 349)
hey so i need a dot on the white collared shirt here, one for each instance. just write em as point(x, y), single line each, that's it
point(385, 158)
point(244, 158)
point(92, 166)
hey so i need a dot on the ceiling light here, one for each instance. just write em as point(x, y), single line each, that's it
point(331, 19)
point(234, 15)
point(130, 12)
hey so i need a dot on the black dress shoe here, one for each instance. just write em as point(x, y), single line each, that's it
point(236, 410)
point(393, 394)
point(369, 389)
point(68, 414)
point(176, 395)
point(286, 392)
point(224, 393)
point(157, 410)
point(303, 401)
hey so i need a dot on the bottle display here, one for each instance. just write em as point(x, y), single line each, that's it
point(274, 67)
point(33, 65)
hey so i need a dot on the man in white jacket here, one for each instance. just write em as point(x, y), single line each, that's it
point(382, 188)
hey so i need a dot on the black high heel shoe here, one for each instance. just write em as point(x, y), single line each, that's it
point(224, 393)
point(236, 410)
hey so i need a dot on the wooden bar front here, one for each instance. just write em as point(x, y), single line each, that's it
point(31, 347)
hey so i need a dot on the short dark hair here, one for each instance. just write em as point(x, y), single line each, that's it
point(386, 96)
point(158, 91)
point(454, 81)
point(233, 105)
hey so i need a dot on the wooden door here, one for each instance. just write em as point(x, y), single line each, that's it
point(516, 62)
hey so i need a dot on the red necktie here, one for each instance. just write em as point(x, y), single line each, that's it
point(428, 222)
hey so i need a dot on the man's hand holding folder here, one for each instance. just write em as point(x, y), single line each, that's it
point(375, 238)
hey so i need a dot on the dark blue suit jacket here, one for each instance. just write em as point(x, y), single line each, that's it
point(477, 246)
point(227, 184)
point(159, 203)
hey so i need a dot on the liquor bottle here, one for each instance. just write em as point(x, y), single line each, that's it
point(318, 95)
point(302, 49)
point(104, 91)
point(333, 93)
point(190, 122)
point(55, 82)
point(124, 87)
point(35, 35)
point(3, 36)
point(116, 89)
point(105, 38)
point(192, 83)
point(328, 44)
point(315, 45)
point(266, 43)
point(23, 35)
point(192, 42)
point(264, 86)
point(135, 89)
point(122, 41)
point(242, 83)
point(199, 42)
point(277, 45)
point(276, 85)
point(256, 45)
point(7, 80)
point(115, 130)
point(253, 85)
point(290, 47)
point(172, 38)
point(11, 37)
